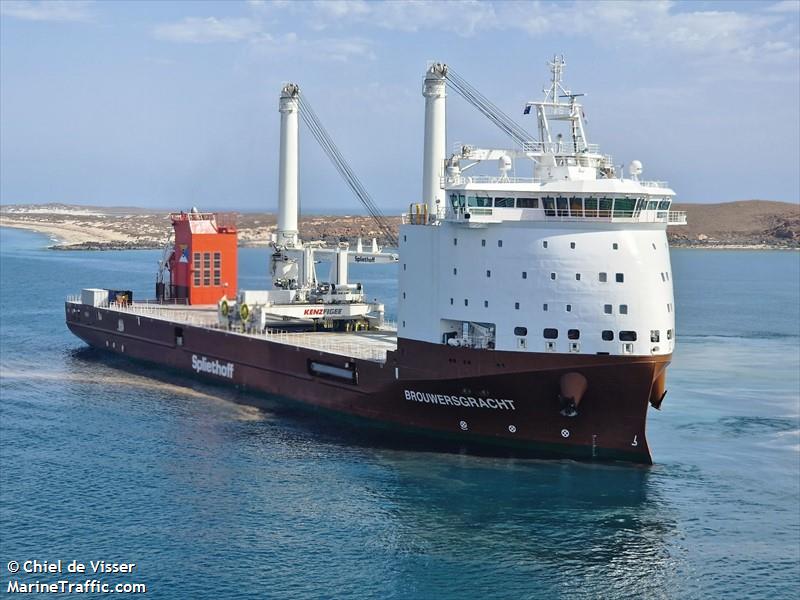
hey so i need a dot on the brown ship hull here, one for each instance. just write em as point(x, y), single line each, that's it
point(505, 400)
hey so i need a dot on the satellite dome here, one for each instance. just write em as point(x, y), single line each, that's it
point(635, 168)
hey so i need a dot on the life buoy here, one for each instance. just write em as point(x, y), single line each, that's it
point(224, 308)
point(244, 312)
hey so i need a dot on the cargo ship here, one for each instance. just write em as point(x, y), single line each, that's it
point(535, 314)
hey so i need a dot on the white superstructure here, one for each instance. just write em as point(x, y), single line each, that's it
point(574, 259)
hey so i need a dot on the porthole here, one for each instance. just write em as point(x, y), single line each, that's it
point(608, 335)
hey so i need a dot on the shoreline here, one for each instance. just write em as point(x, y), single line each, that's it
point(68, 239)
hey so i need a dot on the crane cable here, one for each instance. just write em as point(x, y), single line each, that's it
point(329, 147)
point(488, 108)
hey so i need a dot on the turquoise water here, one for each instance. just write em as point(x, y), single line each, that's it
point(212, 499)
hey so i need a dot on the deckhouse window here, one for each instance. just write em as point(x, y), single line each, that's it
point(504, 202)
point(550, 333)
point(527, 203)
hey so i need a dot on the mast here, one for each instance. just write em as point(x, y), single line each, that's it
point(435, 144)
point(288, 166)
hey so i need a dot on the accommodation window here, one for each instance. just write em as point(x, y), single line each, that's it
point(404, 266)
point(516, 305)
point(504, 202)
point(620, 277)
point(524, 274)
point(485, 304)
point(615, 246)
point(544, 244)
point(483, 243)
point(574, 334)
point(520, 331)
point(663, 277)
point(550, 334)
point(217, 260)
point(544, 307)
point(627, 336)
point(552, 276)
point(569, 307)
point(669, 307)
point(654, 246)
point(572, 245)
point(197, 277)
point(669, 334)
point(655, 335)
point(623, 309)
point(603, 277)
point(608, 309)
point(488, 273)
point(527, 203)
point(451, 302)
point(455, 241)
point(197, 260)
point(405, 239)
point(466, 302)
point(577, 276)
point(455, 271)
point(216, 277)
point(404, 295)
point(608, 335)
point(206, 260)
point(499, 243)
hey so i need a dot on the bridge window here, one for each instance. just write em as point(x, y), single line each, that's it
point(576, 206)
point(561, 205)
point(652, 205)
point(574, 334)
point(520, 331)
point(591, 207)
point(627, 336)
point(527, 203)
point(608, 335)
point(504, 202)
point(663, 277)
point(664, 205)
point(623, 207)
point(605, 205)
point(479, 201)
point(549, 205)
point(550, 333)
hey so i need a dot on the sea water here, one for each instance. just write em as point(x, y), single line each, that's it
point(104, 460)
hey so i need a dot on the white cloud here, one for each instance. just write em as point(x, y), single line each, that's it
point(321, 49)
point(196, 30)
point(47, 10)
point(785, 6)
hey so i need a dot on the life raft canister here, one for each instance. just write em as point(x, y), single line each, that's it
point(244, 312)
point(224, 308)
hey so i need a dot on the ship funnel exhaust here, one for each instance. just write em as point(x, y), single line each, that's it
point(288, 180)
point(435, 143)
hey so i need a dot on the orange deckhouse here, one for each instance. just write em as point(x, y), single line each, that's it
point(202, 266)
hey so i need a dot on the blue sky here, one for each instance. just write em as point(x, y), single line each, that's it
point(173, 104)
